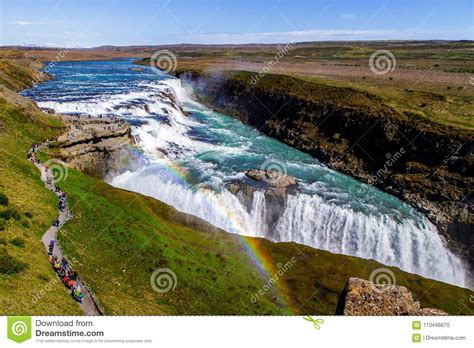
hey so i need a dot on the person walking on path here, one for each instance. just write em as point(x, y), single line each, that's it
point(82, 296)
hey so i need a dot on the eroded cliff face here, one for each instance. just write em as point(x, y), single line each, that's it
point(95, 146)
point(427, 165)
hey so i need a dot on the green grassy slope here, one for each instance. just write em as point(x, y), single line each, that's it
point(15, 77)
point(24, 268)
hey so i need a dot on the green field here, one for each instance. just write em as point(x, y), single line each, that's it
point(24, 266)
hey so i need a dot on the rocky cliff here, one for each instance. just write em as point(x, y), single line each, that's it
point(362, 297)
point(428, 165)
point(94, 146)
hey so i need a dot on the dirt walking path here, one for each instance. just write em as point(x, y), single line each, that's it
point(88, 305)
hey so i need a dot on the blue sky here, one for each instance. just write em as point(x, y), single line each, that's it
point(90, 23)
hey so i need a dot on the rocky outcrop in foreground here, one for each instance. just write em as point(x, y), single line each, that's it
point(362, 297)
point(94, 145)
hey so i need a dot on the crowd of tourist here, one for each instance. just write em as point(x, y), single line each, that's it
point(62, 267)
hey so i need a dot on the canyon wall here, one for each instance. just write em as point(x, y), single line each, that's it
point(430, 166)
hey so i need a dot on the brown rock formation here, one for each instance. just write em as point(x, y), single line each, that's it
point(362, 297)
point(272, 178)
point(94, 145)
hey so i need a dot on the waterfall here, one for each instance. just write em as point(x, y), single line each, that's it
point(413, 246)
point(258, 214)
point(189, 159)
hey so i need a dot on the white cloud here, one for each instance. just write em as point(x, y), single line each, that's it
point(311, 35)
point(296, 36)
point(23, 23)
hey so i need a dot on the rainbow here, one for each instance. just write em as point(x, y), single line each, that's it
point(261, 259)
point(266, 266)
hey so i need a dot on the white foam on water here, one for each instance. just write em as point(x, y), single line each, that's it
point(318, 220)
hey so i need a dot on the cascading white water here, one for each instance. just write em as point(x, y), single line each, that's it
point(258, 214)
point(311, 221)
point(190, 160)
point(412, 246)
